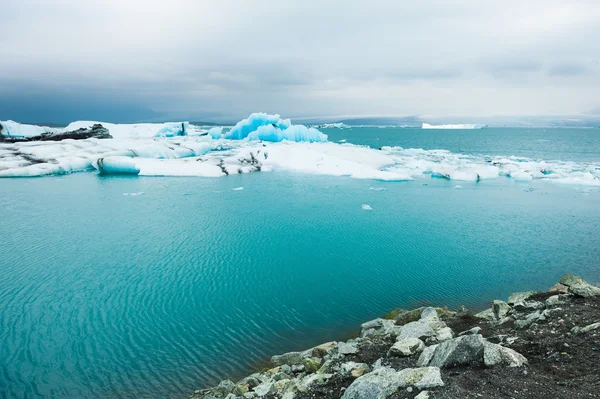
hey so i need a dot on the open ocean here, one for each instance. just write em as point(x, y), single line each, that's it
point(117, 286)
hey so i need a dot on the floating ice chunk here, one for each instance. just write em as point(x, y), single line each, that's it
point(134, 194)
point(377, 188)
point(458, 186)
point(216, 132)
point(19, 130)
point(366, 207)
point(342, 141)
point(238, 189)
point(456, 126)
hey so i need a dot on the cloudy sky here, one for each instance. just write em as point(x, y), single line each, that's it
point(220, 60)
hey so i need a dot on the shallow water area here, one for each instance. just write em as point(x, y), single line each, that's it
point(193, 279)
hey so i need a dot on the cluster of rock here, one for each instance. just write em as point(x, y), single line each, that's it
point(96, 131)
point(419, 339)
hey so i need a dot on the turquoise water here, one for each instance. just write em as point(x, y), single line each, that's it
point(158, 294)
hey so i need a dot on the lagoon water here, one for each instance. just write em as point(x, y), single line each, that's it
point(154, 287)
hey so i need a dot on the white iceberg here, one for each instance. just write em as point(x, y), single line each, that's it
point(455, 126)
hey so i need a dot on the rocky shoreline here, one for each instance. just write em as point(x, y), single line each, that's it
point(534, 345)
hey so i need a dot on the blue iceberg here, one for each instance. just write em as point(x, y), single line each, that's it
point(261, 126)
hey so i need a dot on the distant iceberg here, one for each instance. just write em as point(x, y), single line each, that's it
point(339, 125)
point(458, 126)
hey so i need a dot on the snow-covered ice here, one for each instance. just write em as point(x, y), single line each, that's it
point(455, 126)
point(267, 143)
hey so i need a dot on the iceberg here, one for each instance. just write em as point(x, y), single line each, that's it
point(457, 126)
point(18, 130)
point(261, 126)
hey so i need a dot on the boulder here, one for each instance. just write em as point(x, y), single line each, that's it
point(500, 309)
point(423, 395)
point(525, 306)
point(559, 288)
point(385, 381)
point(472, 331)
point(312, 364)
point(520, 297)
point(347, 348)
point(569, 280)
point(354, 369)
point(426, 356)
point(416, 329)
point(323, 349)
point(467, 349)
point(584, 290)
point(494, 354)
point(529, 320)
point(266, 388)
point(406, 347)
point(429, 315)
point(487, 314)
point(444, 334)
point(554, 300)
point(583, 330)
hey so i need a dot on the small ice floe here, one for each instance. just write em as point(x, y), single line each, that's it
point(458, 186)
point(342, 141)
point(238, 188)
point(134, 194)
point(377, 188)
point(366, 207)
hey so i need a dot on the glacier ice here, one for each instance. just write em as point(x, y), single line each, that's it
point(261, 126)
point(15, 129)
point(263, 143)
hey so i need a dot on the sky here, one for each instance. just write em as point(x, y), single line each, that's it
point(134, 60)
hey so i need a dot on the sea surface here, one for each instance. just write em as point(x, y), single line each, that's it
point(154, 287)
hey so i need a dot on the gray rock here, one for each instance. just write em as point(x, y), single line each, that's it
point(289, 395)
point(377, 323)
point(312, 379)
point(416, 329)
point(554, 300)
point(426, 356)
point(500, 309)
point(472, 331)
point(290, 358)
point(583, 330)
point(467, 349)
point(406, 347)
point(528, 321)
point(354, 369)
point(231, 396)
point(323, 349)
point(520, 297)
point(429, 315)
point(423, 395)
point(559, 288)
point(346, 348)
point(525, 306)
point(494, 354)
point(444, 334)
point(584, 290)
point(266, 388)
point(569, 280)
point(487, 314)
point(249, 395)
point(312, 364)
point(287, 385)
point(384, 382)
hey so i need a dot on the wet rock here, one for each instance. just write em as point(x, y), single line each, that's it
point(494, 354)
point(426, 356)
point(467, 349)
point(384, 382)
point(583, 330)
point(346, 348)
point(406, 347)
point(517, 297)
